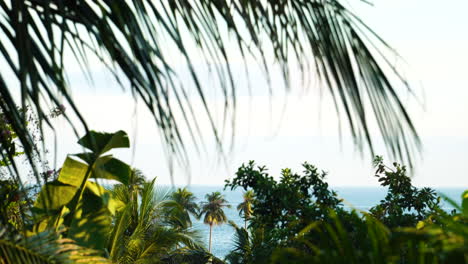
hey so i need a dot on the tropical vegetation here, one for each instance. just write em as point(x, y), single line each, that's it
point(80, 219)
point(187, 201)
point(245, 208)
point(213, 212)
point(299, 219)
point(96, 208)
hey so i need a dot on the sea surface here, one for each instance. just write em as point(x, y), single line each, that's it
point(361, 198)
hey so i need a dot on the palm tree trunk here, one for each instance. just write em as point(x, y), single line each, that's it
point(209, 245)
point(245, 223)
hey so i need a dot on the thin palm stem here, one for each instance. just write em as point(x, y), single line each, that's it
point(209, 243)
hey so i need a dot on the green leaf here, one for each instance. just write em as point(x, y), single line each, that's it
point(91, 230)
point(112, 169)
point(73, 172)
point(49, 221)
point(465, 203)
point(54, 195)
point(420, 225)
point(44, 247)
point(88, 157)
point(95, 188)
point(100, 142)
point(112, 204)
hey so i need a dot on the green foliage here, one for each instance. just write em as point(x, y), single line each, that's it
point(250, 246)
point(186, 200)
point(286, 206)
point(134, 222)
point(44, 248)
point(212, 209)
point(83, 206)
point(144, 231)
point(100, 143)
point(12, 205)
point(442, 237)
point(281, 209)
point(8, 145)
point(297, 219)
point(191, 256)
point(404, 205)
point(245, 208)
point(334, 243)
point(441, 241)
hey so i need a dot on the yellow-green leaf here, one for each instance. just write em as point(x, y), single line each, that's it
point(112, 169)
point(54, 195)
point(73, 172)
point(465, 203)
point(420, 225)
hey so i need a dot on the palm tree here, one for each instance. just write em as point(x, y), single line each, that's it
point(186, 200)
point(148, 234)
point(213, 211)
point(136, 41)
point(245, 208)
point(130, 193)
point(249, 248)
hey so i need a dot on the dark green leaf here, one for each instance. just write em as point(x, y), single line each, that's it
point(100, 142)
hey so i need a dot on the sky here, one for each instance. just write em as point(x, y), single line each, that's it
point(288, 128)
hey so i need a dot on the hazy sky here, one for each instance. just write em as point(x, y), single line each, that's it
point(430, 35)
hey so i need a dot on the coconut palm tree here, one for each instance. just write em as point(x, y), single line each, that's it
point(137, 41)
point(148, 235)
point(245, 208)
point(186, 200)
point(213, 211)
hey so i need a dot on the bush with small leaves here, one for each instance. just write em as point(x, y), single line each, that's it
point(404, 205)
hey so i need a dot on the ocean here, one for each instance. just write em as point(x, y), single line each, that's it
point(361, 198)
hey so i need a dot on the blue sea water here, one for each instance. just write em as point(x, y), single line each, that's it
point(360, 198)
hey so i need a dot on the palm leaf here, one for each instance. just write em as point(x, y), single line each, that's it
point(45, 247)
point(131, 40)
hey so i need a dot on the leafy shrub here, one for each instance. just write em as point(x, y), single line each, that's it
point(281, 209)
point(286, 206)
point(299, 219)
point(12, 205)
point(404, 204)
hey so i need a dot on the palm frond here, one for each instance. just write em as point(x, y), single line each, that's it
point(131, 40)
point(212, 208)
point(121, 223)
point(45, 247)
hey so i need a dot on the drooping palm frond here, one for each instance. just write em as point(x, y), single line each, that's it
point(251, 245)
point(176, 216)
point(242, 248)
point(45, 247)
point(187, 200)
point(245, 208)
point(132, 39)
